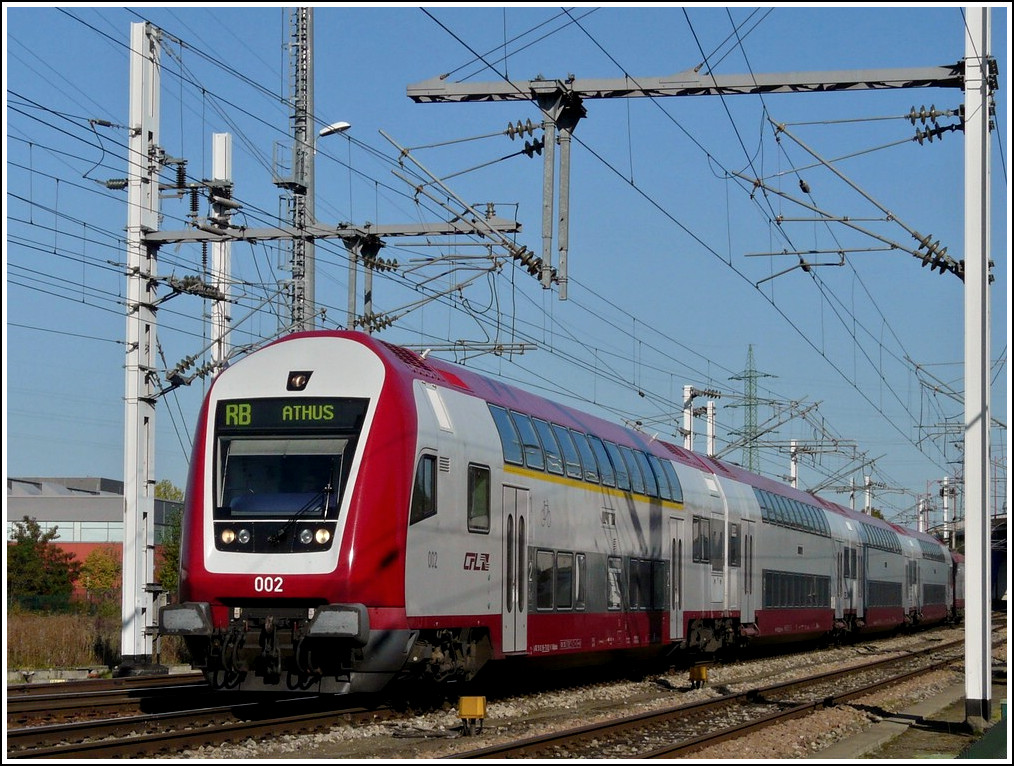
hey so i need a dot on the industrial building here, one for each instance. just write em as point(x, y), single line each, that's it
point(87, 511)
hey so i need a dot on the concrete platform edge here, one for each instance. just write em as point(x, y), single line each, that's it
point(887, 729)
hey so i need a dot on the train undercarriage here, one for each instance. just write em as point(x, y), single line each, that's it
point(328, 650)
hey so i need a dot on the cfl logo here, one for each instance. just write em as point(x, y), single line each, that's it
point(476, 562)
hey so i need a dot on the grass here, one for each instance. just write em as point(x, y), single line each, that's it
point(39, 641)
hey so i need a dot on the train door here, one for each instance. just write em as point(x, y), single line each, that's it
point(515, 574)
point(860, 597)
point(838, 593)
point(718, 596)
point(676, 577)
point(914, 591)
point(749, 585)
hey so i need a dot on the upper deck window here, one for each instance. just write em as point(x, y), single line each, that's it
point(534, 456)
point(509, 439)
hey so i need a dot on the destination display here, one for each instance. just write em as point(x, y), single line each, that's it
point(291, 414)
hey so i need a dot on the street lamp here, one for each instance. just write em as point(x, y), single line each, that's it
point(334, 127)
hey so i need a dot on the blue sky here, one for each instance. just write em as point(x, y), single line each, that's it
point(680, 265)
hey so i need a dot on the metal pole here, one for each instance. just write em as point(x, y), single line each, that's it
point(549, 171)
point(688, 418)
point(711, 429)
point(303, 146)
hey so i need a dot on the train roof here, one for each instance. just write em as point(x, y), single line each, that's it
point(511, 396)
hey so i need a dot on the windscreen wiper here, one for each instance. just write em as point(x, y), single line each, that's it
point(279, 535)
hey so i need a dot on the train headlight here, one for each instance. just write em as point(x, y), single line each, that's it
point(322, 536)
point(305, 536)
point(228, 536)
point(243, 536)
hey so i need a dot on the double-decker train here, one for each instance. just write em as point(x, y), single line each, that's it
point(359, 515)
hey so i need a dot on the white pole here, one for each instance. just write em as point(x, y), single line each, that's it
point(978, 655)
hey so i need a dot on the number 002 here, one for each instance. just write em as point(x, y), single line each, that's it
point(268, 584)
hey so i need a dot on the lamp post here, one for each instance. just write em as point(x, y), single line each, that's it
point(303, 263)
point(329, 130)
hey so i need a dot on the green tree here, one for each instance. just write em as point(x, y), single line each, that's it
point(36, 568)
point(168, 574)
point(100, 573)
point(166, 490)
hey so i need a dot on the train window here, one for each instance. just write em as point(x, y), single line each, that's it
point(534, 457)
point(659, 581)
point(664, 491)
point(748, 551)
point(554, 460)
point(564, 580)
point(813, 519)
point(279, 477)
point(640, 583)
point(622, 476)
point(580, 581)
point(478, 498)
point(782, 513)
point(570, 457)
point(805, 516)
point(717, 545)
point(674, 480)
point(424, 493)
point(734, 559)
point(799, 514)
point(634, 600)
point(788, 514)
point(702, 539)
point(772, 507)
point(605, 468)
point(650, 483)
point(511, 564)
point(522, 563)
point(543, 579)
point(636, 477)
point(509, 438)
point(614, 583)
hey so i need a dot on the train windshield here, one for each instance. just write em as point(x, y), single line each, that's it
point(269, 477)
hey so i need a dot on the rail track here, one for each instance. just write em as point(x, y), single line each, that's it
point(173, 732)
point(169, 725)
point(681, 730)
point(40, 704)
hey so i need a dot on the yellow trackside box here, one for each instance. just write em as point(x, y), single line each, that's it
point(698, 676)
point(470, 708)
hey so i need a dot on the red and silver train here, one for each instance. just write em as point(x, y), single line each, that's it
point(358, 514)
